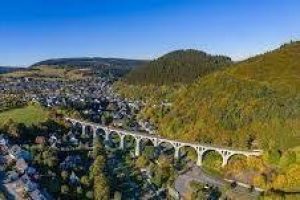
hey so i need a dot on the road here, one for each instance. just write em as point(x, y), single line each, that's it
point(8, 191)
point(197, 174)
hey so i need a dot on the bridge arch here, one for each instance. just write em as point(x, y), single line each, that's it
point(89, 129)
point(238, 157)
point(100, 132)
point(69, 124)
point(114, 137)
point(137, 139)
point(163, 141)
point(212, 158)
point(78, 128)
point(149, 141)
point(189, 153)
point(129, 141)
point(148, 147)
point(167, 148)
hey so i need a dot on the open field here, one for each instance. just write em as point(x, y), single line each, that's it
point(46, 72)
point(31, 114)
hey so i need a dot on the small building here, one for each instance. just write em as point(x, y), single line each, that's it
point(40, 140)
point(74, 180)
point(21, 166)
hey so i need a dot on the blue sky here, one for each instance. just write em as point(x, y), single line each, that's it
point(34, 30)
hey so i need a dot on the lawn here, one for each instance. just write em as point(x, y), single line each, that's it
point(31, 114)
point(2, 196)
point(46, 73)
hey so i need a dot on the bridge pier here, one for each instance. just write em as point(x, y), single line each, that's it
point(122, 142)
point(94, 132)
point(225, 157)
point(95, 137)
point(83, 129)
point(155, 142)
point(225, 161)
point(177, 147)
point(107, 135)
point(200, 157)
point(137, 146)
point(176, 154)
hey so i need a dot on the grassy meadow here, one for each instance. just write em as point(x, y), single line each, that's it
point(47, 72)
point(31, 114)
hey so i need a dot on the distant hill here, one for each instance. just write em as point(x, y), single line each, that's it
point(253, 104)
point(8, 69)
point(116, 66)
point(181, 66)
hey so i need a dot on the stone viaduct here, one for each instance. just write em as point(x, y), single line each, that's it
point(201, 149)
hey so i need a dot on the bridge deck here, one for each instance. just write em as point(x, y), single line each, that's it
point(150, 136)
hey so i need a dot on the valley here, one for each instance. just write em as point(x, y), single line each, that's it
point(225, 130)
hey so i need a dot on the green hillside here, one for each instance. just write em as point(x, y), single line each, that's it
point(47, 73)
point(182, 66)
point(97, 65)
point(254, 104)
point(31, 114)
point(279, 69)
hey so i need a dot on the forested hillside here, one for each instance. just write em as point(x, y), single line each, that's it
point(100, 66)
point(160, 79)
point(254, 104)
point(8, 69)
point(182, 66)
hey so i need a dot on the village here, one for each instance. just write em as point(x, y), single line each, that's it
point(53, 164)
point(92, 97)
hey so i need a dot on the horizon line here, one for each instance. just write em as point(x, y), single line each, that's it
point(233, 58)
